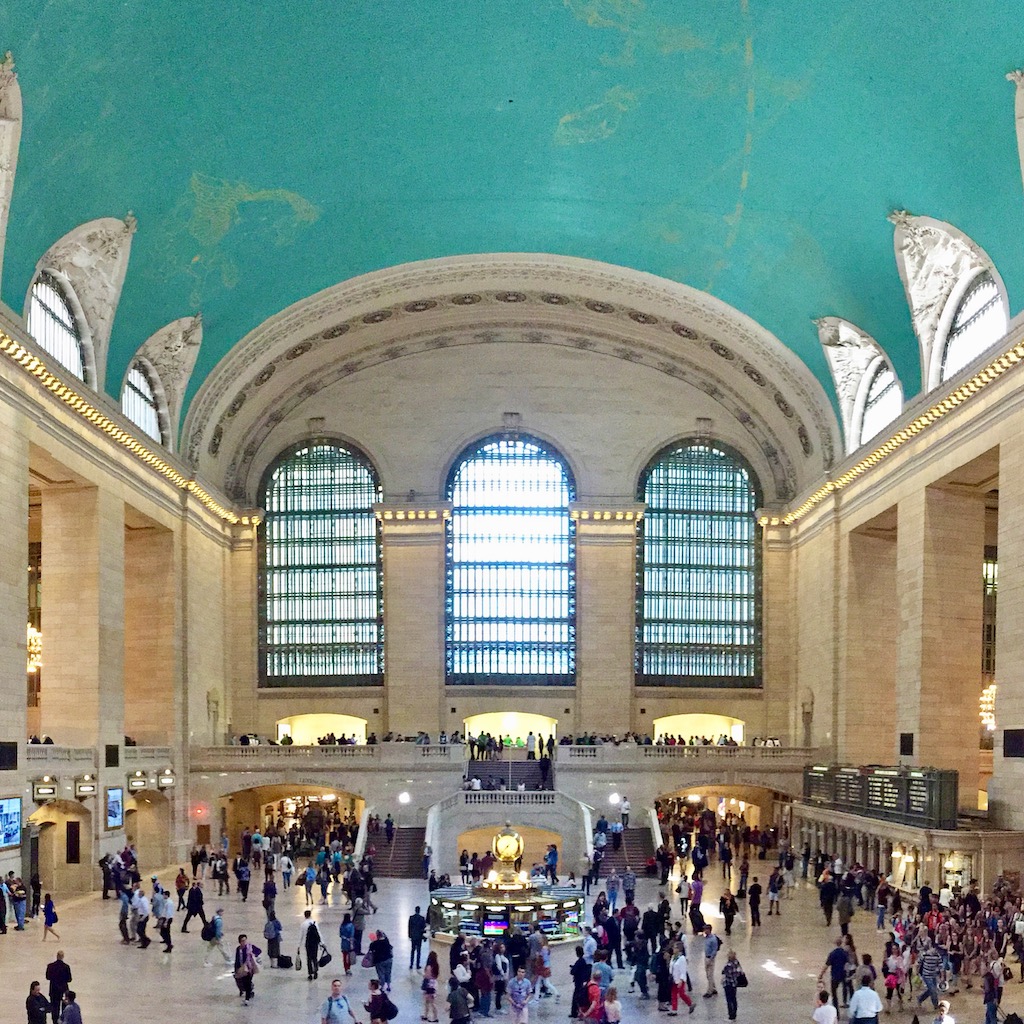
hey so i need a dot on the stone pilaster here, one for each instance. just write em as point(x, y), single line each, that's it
point(83, 609)
point(939, 553)
point(605, 624)
point(413, 539)
point(14, 456)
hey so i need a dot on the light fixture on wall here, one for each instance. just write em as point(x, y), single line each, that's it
point(613, 798)
point(987, 708)
point(403, 797)
point(85, 785)
point(137, 780)
point(34, 649)
point(165, 779)
point(44, 789)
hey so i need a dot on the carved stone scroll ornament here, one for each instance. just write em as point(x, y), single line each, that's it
point(932, 257)
point(1017, 77)
point(849, 351)
point(171, 352)
point(93, 260)
point(10, 136)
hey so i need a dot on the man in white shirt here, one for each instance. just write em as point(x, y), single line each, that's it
point(864, 1003)
point(624, 812)
point(943, 1016)
point(824, 1011)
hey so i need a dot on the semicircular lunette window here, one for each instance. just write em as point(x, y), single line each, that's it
point(979, 322)
point(52, 324)
point(698, 613)
point(139, 404)
point(321, 602)
point(511, 577)
point(884, 402)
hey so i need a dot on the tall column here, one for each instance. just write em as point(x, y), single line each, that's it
point(940, 548)
point(14, 454)
point(1007, 783)
point(605, 596)
point(83, 605)
point(413, 553)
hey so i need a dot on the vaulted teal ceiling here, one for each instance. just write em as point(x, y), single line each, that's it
point(746, 148)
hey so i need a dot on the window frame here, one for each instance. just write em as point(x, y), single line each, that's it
point(505, 679)
point(157, 395)
point(958, 297)
point(334, 680)
point(643, 677)
point(79, 324)
point(880, 364)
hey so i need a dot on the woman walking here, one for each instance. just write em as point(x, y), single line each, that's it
point(431, 972)
point(49, 918)
point(382, 957)
point(246, 966)
point(732, 973)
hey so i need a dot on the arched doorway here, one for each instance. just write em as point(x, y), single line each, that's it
point(709, 726)
point(306, 730)
point(65, 847)
point(147, 826)
point(535, 843)
point(516, 725)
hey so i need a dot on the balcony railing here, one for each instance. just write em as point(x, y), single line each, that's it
point(48, 752)
point(633, 753)
point(147, 755)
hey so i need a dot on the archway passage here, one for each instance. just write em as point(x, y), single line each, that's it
point(535, 844)
point(314, 810)
point(709, 726)
point(148, 827)
point(308, 730)
point(514, 725)
point(757, 805)
point(65, 848)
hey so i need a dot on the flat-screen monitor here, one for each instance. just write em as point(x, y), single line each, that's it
point(115, 807)
point(10, 822)
point(494, 929)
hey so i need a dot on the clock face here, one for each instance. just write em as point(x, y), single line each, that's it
point(507, 847)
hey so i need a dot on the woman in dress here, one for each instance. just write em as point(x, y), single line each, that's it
point(49, 918)
point(431, 972)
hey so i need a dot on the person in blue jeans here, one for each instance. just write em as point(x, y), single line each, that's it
point(929, 963)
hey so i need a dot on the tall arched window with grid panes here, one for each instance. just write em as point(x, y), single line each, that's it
point(54, 327)
point(321, 601)
point(511, 566)
point(698, 607)
point(139, 402)
point(979, 322)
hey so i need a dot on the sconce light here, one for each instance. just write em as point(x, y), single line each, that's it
point(165, 779)
point(137, 780)
point(85, 786)
point(44, 789)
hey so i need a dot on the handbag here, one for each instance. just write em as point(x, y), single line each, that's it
point(367, 961)
point(1007, 974)
point(298, 959)
point(741, 980)
point(325, 958)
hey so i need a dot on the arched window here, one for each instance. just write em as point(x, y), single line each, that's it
point(139, 402)
point(511, 566)
point(53, 325)
point(883, 401)
point(698, 570)
point(321, 600)
point(979, 322)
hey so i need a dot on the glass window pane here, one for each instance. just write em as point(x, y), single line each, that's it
point(321, 596)
point(884, 402)
point(698, 578)
point(53, 326)
point(511, 599)
point(138, 403)
point(980, 322)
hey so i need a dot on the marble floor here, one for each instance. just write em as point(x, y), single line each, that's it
point(117, 983)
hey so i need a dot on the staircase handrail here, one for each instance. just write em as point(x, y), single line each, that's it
point(656, 834)
point(364, 831)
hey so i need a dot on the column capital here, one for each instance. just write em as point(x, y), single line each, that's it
point(394, 512)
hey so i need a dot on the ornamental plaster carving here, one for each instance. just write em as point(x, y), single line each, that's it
point(933, 258)
point(10, 136)
point(171, 354)
point(1017, 77)
point(439, 303)
point(850, 353)
point(92, 260)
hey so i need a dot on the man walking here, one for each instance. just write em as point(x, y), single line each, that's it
point(58, 974)
point(712, 944)
point(417, 931)
point(336, 1006)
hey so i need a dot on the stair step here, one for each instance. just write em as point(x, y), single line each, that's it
point(403, 857)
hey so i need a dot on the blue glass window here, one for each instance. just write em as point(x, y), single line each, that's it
point(511, 574)
point(698, 570)
point(321, 596)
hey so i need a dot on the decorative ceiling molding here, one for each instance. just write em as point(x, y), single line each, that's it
point(465, 300)
point(171, 353)
point(933, 258)
point(10, 137)
point(92, 260)
point(1017, 77)
point(850, 353)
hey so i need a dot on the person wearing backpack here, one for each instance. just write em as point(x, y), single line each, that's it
point(309, 938)
point(272, 933)
point(213, 935)
point(380, 1007)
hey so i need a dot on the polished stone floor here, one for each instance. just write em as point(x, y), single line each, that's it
point(116, 983)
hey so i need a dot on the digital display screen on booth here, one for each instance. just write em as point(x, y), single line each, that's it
point(10, 822)
point(115, 807)
point(494, 929)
